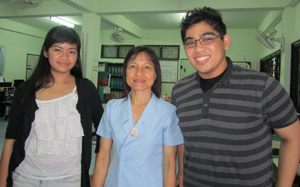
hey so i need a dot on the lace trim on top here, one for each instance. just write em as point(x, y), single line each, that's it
point(54, 146)
point(56, 127)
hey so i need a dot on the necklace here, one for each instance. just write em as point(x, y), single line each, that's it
point(138, 107)
point(135, 120)
point(137, 112)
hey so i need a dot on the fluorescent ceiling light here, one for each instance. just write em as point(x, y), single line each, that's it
point(58, 20)
point(66, 19)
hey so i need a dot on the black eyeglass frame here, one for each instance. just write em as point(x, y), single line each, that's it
point(199, 40)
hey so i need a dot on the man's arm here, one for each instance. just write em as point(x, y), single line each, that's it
point(179, 177)
point(289, 154)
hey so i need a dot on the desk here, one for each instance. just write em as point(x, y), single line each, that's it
point(6, 95)
point(2, 108)
point(7, 105)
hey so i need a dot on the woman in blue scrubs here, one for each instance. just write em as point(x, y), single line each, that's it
point(142, 129)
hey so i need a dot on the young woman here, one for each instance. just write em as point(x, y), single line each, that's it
point(49, 134)
point(143, 128)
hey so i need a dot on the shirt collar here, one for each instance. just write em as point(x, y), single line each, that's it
point(149, 110)
point(147, 114)
point(225, 78)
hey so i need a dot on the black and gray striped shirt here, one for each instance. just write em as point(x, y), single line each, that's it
point(227, 129)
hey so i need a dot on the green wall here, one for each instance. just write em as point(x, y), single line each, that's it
point(20, 39)
point(244, 46)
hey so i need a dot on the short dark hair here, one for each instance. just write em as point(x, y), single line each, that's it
point(208, 15)
point(131, 55)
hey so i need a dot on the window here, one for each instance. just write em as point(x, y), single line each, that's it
point(271, 64)
point(166, 52)
point(295, 75)
point(115, 51)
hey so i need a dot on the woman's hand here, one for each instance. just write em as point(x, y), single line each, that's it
point(6, 154)
point(170, 166)
point(179, 179)
point(102, 163)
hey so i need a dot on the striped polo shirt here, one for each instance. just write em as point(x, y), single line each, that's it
point(227, 130)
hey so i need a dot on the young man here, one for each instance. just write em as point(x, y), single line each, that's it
point(226, 114)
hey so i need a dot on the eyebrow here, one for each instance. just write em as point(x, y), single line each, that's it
point(146, 63)
point(61, 47)
point(208, 33)
point(204, 34)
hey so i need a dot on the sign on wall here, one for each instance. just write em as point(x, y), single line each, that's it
point(169, 71)
point(31, 63)
point(2, 58)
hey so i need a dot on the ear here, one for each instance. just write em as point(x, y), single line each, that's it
point(45, 53)
point(226, 40)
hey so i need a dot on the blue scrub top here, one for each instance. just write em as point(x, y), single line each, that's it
point(137, 161)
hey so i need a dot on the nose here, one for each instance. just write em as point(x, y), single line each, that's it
point(139, 71)
point(199, 46)
point(64, 55)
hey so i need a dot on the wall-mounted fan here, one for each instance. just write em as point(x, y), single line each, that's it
point(268, 39)
point(117, 35)
point(26, 3)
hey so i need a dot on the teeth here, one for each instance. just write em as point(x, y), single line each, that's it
point(202, 58)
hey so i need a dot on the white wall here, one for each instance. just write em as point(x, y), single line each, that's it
point(297, 28)
point(265, 51)
point(19, 40)
point(105, 40)
point(289, 28)
point(151, 37)
point(18, 45)
point(164, 37)
point(244, 45)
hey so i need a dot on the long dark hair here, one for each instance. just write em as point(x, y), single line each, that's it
point(41, 77)
point(131, 55)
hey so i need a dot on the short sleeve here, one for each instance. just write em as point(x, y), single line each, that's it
point(277, 107)
point(171, 132)
point(104, 129)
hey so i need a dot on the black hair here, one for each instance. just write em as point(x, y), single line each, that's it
point(131, 55)
point(41, 77)
point(208, 15)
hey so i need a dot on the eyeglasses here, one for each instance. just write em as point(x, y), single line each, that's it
point(204, 40)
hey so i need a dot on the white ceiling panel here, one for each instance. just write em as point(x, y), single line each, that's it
point(234, 17)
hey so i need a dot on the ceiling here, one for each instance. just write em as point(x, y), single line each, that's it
point(154, 14)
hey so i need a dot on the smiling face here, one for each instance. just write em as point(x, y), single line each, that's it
point(140, 73)
point(209, 60)
point(62, 57)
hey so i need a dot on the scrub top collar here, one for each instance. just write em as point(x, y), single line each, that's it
point(143, 123)
point(146, 116)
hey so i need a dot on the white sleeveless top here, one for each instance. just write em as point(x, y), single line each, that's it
point(54, 146)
